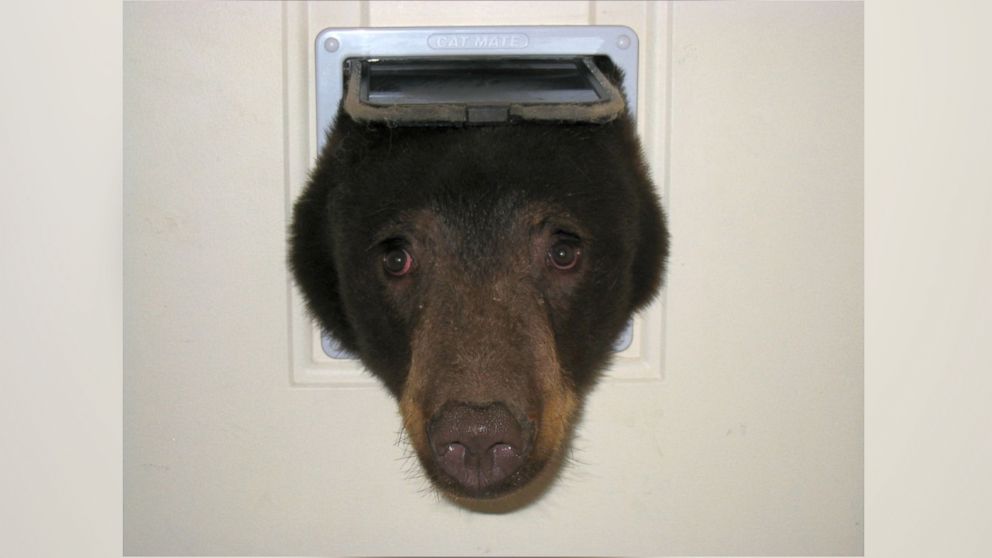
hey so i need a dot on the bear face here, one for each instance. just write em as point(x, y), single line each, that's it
point(482, 273)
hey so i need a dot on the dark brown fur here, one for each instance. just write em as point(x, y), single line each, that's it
point(483, 316)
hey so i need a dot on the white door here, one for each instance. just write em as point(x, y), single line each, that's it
point(741, 433)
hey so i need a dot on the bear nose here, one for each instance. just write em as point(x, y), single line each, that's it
point(478, 446)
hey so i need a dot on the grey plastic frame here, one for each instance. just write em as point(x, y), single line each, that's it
point(311, 362)
point(335, 45)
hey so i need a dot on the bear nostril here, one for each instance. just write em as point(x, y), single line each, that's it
point(478, 447)
point(453, 457)
point(505, 460)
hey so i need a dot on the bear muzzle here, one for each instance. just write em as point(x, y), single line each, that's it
point(479, 447)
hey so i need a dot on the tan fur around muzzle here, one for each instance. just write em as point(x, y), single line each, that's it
point(529, 365)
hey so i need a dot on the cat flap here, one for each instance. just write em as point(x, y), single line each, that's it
point(458, 91)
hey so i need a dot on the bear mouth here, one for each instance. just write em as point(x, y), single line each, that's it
point(483, 492)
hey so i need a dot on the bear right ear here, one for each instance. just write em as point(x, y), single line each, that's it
point(311, 254)
point(651, 255)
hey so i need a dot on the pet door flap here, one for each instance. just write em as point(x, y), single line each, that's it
point(480, 91)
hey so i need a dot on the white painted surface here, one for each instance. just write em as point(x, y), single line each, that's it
point(751, 443)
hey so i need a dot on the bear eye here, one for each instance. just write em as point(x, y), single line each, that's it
point(564, 255)
point(397, 262)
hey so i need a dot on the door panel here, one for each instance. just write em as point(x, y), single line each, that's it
point(747, 440)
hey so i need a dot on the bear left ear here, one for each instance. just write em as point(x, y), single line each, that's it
point(312, 261)
point(651, 253)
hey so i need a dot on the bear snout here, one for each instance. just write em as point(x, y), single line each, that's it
point(479, 446)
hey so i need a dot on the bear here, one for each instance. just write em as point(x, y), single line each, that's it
point(481, 273)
